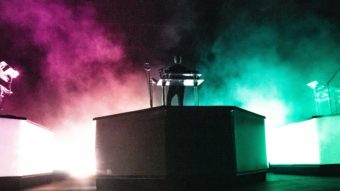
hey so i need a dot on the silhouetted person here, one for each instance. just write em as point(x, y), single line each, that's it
point(176, 68)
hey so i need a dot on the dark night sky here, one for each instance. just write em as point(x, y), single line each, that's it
point(81, 59)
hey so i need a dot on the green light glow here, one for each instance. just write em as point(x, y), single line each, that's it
point(264, 66)
point(261, 62)
point(265, 107)
point(328, 132)
point(314, 141)
point(293, 144)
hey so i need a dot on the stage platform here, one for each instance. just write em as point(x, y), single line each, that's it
point(274, 182)
point(309, 147)
point(26, 149)
point(171, 147)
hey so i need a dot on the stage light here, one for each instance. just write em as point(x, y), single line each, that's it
point(11, 72)
point(313, 84)
point(317, 95)
point(7, 73)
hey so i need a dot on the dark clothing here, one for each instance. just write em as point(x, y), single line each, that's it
point(177, 68)
point(176, 90)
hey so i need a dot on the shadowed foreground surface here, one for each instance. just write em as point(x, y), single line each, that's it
point(274, 182)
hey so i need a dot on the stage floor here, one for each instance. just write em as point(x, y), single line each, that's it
point(274, 182)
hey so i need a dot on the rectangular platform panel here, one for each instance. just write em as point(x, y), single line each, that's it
point(309, 147)
point(25, 147)
point(212, 142)
point(307, 169)
point(311, 142)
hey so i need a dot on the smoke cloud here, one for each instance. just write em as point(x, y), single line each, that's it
point(83, 66)
point(80, 72)
point(82, 59)
point(263, 57)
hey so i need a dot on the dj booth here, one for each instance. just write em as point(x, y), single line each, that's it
point(170, 148)
point(180, 79)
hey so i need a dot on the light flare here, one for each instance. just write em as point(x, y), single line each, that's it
point(296, 143)
point(75, 151)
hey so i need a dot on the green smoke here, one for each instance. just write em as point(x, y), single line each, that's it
point(262, 61)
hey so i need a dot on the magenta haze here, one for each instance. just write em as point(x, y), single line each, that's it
point(80, 69)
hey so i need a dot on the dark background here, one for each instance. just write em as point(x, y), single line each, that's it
point(82, 59)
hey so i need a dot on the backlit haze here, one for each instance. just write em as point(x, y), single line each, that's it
point(83, 59)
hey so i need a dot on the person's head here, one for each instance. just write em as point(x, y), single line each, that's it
point(177, 59)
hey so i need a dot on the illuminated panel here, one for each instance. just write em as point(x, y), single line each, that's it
point(35, 149)
point(329, 141)
point(314, 141)
point(296, 143)
point(179, 82)
point(25, 147)
point(9, 136)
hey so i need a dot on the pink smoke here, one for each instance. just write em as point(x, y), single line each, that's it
point(84, 68)
point(82, 59)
